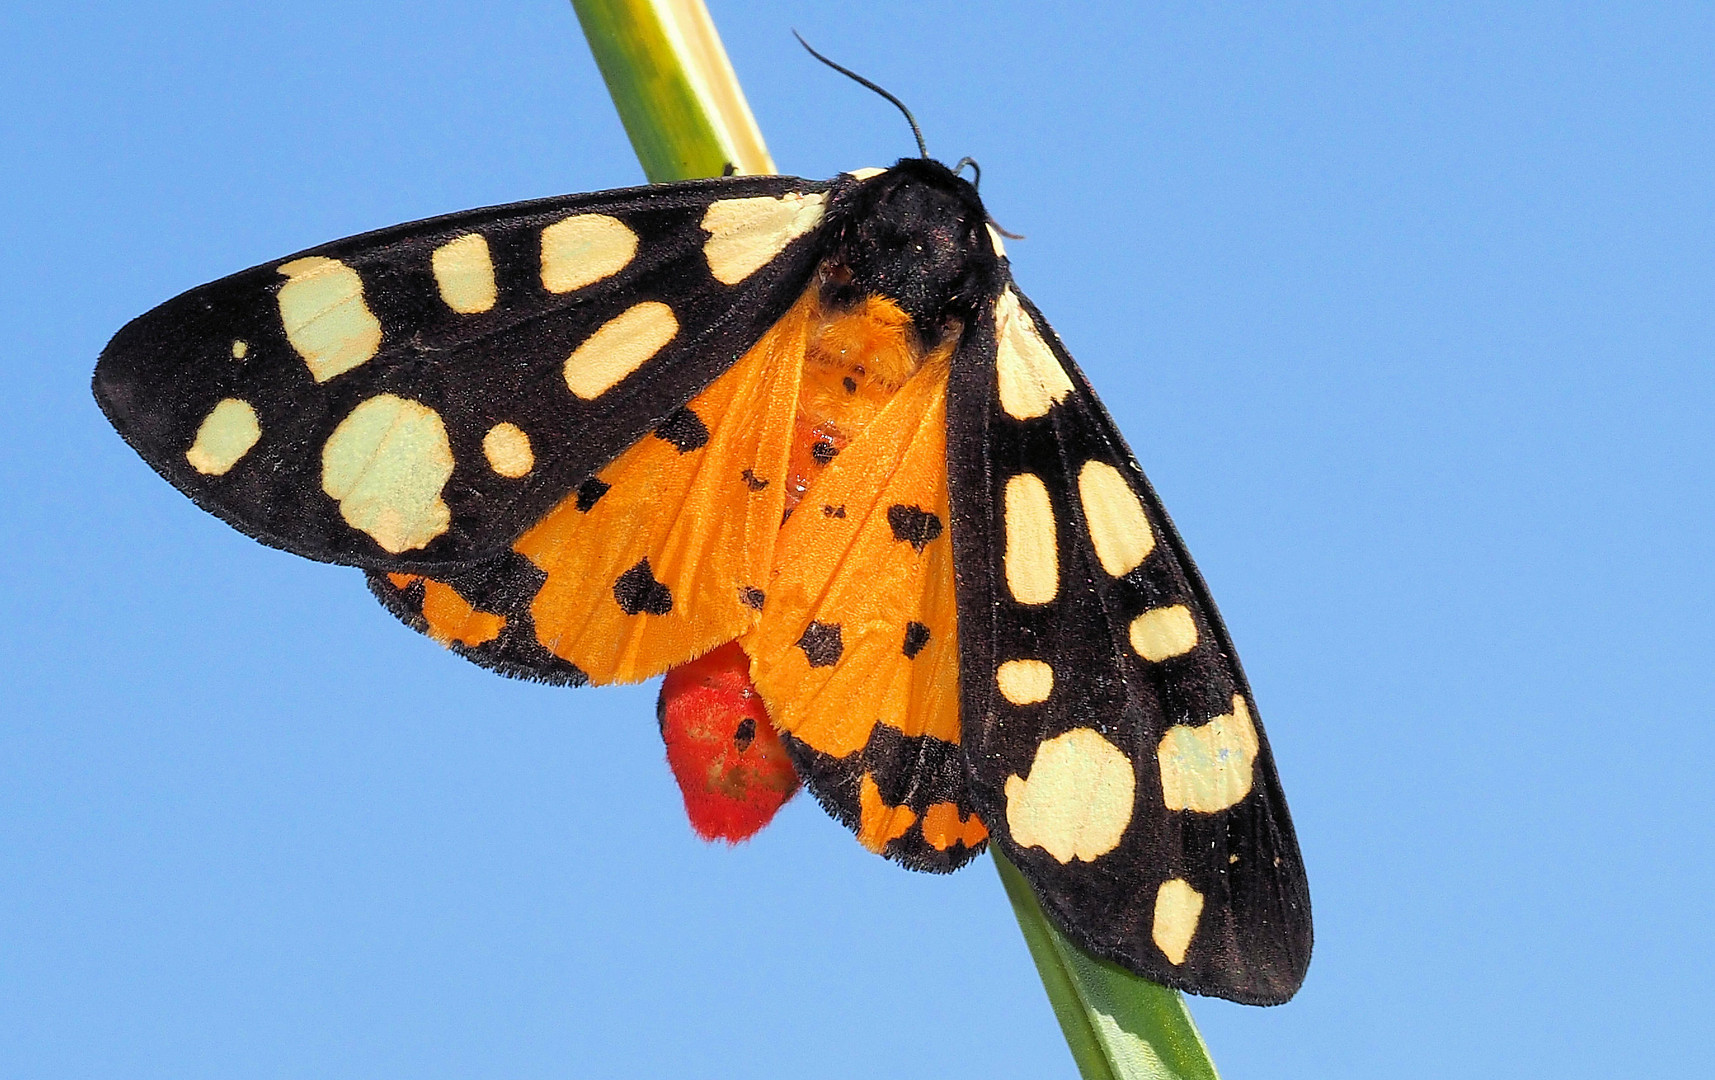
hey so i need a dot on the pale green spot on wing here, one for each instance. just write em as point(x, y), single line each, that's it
point(464, 273)
point(1077, 800)
point(744, 234)
point(325, 317)
point(1208, 767)
point(387, 463)
point(583, 249)
point(1031, 381)
point(227, 434)
point(1177, 908)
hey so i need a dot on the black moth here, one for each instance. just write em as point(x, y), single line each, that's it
point(1107, 737)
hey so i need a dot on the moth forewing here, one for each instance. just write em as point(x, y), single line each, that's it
point(1113, 743)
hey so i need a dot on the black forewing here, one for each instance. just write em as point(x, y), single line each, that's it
point(164, 372)
point(1252, 939)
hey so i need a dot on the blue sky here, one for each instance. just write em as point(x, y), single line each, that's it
point(1407, 314)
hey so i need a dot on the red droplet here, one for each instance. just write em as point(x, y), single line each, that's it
point(722, 747)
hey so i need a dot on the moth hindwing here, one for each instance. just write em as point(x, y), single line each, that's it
point(593, 438)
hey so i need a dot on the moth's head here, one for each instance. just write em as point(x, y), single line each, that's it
point(917, 234)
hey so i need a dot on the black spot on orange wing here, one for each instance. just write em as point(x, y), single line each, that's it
point(821, 644)
point(834, 511)
point(753, 481)
point(916, 637)
point(824, 451)
point(685, 430)
point(705, 536)
point(745, 734)
point(590, 492)
point(850, 384)
point(638, 593)
point(752, 597)
point(913, 525)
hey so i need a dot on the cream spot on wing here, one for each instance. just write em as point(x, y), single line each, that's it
point(1177, 908)
point(745, 233)
point(508, 450)
point(583, 249)
point(994, 242)
point(1025, 682)
point(865, 173)
point(619, 347)
point(386, 463)
point(227, 433)
point(1119, 529)
point(1207, 768)
point(1031, 380)
point(1078, 799)
point(240, 349)
point(1032, 554)
point(326, 320)
point(465, 274)
point(1164, 632)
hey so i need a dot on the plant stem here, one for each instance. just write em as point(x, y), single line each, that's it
point(674, 87)
point(1119, 1026)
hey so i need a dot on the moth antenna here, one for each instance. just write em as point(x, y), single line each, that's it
point(922, 147)
point(976, 181)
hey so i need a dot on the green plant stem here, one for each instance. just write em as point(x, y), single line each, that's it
point(686, 115)
point(1118, 1026)
point(674, 87)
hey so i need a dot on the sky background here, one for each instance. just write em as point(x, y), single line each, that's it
point(1407, 314)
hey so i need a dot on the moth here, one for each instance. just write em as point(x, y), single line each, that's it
point(805, 448)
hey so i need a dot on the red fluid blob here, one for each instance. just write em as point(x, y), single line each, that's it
point(722, 747)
